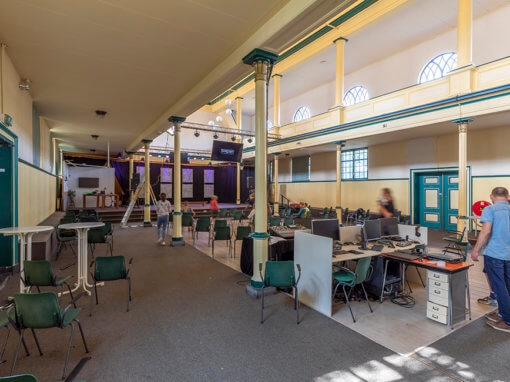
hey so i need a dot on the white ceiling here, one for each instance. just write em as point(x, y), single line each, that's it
point(414, 22)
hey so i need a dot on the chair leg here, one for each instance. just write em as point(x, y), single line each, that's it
point(70, 293)
point(82, 335)
point(72, 249)
point(213, 249)
point(95, 292)
point(38, 289)
point(296, 304)
point(17, 350)
point(68, 351)
point(336, 289)
point(129, 292)
point(366, 297)
point(37, 342)
point(347, 301)
point(91, 303)
point(4, 346)
point(262, 306)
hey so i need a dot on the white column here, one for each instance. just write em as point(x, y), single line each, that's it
point(260, 60)
point(339, 74)
point(239, 118)
point(464, 33)
point(276, 106)
point(339, 146)
point(276, 186)
point(177, 239)
point(462, 213)
point(147, 188)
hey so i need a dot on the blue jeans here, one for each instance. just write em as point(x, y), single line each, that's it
point(499, 277)
point(162, 226)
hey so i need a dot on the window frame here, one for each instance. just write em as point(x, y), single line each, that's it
point(354, 93)
point(349, 165)
point(445, 69)
point(304, 112)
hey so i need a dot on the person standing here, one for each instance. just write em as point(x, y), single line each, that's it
point(386, 206)
point(495, 234)
point(213, 205)
point(163, 209)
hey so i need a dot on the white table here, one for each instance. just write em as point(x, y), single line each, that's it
point(82, 229)
point(25, 236)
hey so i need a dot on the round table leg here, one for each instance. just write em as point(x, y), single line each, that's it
point(21, 259)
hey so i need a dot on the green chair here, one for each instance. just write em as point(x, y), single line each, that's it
point(223, 213)
point(455, 241)
point(38, 273)
point(187, 220)
point(220, 223)
point(4, 323)
point(241, 233)
point(280, 274)
point(65, 237)
point(109, 268)
point(237, 215)
point(19, 378)
point(275, 221)
point(203, 224)
point(42, 311)
point(222, 234)
point(99, 236)
point(288, 221)
point(67, 220)
point(347, 278)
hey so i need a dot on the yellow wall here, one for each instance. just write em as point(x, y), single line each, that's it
point(482, 187)
point(37, 195)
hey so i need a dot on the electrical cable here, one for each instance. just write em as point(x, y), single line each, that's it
point(403, 299)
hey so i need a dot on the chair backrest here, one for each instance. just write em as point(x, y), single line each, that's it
point(222, 233)
point(362, 269)
point(242, 232)
point(88, 219)
point(96, 235)
point(279, 274)
point(275, 221)
point(203, 224)
point(187, 219)
point(38, 273)
point(19, 378)
point(108, 268)
point(37, 310)
point(288, 221)
point(67, 220)
point(222, 213)
point(219, 223)
point(107, 228)
point(237, 215)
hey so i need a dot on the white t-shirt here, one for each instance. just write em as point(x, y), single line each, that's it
point(163, 208)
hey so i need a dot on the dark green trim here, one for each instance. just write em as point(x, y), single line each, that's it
point(259, 55)
point(176, 119)
point(260, 235)
point(490, 176)
point(177, 239)
point(36, 167)
point(340, 38)
point(146, 205)
point(277, 75)
point(147, 224)
point(343, 180)
point(146, 140)
point(314, 36)
point(257, 284)
point(339, 143)
point(177, 213)
point(353, 12)
point(463, 120)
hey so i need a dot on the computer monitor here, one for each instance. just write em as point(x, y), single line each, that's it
point(326, 227)
point(307, 223)
point(389, 226)
point(372, 229)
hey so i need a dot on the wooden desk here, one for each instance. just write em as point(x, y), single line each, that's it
point(103, 197)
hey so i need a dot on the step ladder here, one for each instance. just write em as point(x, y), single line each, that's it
point(125, 218)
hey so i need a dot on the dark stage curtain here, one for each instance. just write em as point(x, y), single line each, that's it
point(122, 174)
point(225, 185)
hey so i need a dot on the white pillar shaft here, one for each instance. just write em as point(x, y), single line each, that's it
point(339, 182)
point(464, 33)
point(339, 74)
point(276, 187)
point(147, 188)
point(177, 220)
point(461, 223)
point(239, 116)
point(276, 108)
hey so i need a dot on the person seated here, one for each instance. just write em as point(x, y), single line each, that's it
point(188, 210)
point(304, 211)
point(386, 206)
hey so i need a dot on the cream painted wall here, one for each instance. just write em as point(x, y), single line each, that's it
point(46, 145)
point(402, 69)
point(18, 104)
point(37, 195)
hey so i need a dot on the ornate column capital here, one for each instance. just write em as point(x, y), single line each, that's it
point(340, 39)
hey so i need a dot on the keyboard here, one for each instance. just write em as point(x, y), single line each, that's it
point(404, 243)
point(354, 252)
point(340, 252)
point(395, 238)
point(404, 255)
point(377, 247)
point(448, 257)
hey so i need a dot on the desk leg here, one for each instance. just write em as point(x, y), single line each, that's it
point(450, 302)
point(384, 279)
point(468, 293)
point(21, 259)
point(403, 277)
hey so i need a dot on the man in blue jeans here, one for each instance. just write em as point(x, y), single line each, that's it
point(496, 234)
point(163, 209)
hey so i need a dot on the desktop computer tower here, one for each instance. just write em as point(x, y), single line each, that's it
point(374, 285)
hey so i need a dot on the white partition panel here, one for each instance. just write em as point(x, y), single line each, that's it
point(410, 230)
point(314, 254)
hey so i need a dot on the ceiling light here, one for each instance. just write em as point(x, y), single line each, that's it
point(171, 130)
point(210, 123)
point(202, 158)
point(101, 114)
point(228, 102)
point(323, 61)
point(197, 134)
point(228, 111)
point(159, 155)
point(215, 136)
point(167, 156)
point(24, 84)
point(94, 137)
point(219, 119)
point(194, 158)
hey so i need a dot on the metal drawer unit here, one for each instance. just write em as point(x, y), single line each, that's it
point(446, 296)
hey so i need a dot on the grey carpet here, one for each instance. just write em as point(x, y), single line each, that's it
point(191, 321)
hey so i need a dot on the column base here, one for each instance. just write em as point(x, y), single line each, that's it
point(255, 292)
point(147, 224)
point(177, 242)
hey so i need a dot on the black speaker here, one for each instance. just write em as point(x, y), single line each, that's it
point(250, 182)
point(135, 181)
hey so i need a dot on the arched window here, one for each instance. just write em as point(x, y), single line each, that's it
point(303, 112)
point(438, 67)
point(355, 95)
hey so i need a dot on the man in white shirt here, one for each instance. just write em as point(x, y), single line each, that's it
point(163, 209)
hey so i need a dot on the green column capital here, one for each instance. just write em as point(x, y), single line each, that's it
point(176, 119)
point(260, 55)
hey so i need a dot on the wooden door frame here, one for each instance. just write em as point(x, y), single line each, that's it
point(414, 188)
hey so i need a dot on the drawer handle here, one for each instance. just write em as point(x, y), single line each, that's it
point(435, 316)
point(437, 283)
point(437, 291)
point(434, 308)
point(436, 276)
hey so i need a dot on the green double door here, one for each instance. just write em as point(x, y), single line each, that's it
point(438, 201)
point(7, 243)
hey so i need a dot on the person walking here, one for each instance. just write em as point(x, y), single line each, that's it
point(495, 234)
point(163, 209)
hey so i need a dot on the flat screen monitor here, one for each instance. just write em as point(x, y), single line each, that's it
point(227, 151)
point(326, 227)
point(389, 226)
point(372, 229)
point(307, 223)
point(88, 182)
